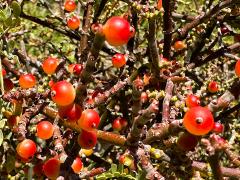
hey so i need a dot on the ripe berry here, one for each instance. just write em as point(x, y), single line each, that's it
point(144, 97)
point(237, 68)
point(45, 130)
point(63, 93)
point(117, 31)
point(116, 124)
point(27, 81)
point(89, 120)
point(4, 73)
point(87, 139)
point(179, 45)
point(51, 83)
point(70, 5)
point(224, 30)
point(26, 149)
point(8, 84)
point(218, 127)
point(159, 4)
point(213, 87)
point(198, 120)
point(192, 101)
point(73, 22)
point(77, 69)
point(50, 65)
point(123, 122)
point(118, 60)
point(77, 165)
point(71, 112)
point(51, 168)
point(187, 142)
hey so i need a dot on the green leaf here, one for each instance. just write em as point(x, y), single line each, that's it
point(7, 12)
point(8, 22)
point(2, 123)
point(2, 16)
point(116, 174)
point(113, 168)
point(16, 8)
point(1, 137)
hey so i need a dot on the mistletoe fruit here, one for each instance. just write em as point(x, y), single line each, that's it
point(26, 149)
point(179, 45)
point(192, 101)
point(77, 165)
point(27, 81)
point(89, 120)
point(87, 139)
point(45, 130)
point(218, 128)
point(73, 22)
point(118, 60)
point(51, 168)
point(237, 68)
point(50, 65)
point(117, 31)
point(72, 112)
point(198, 121)
point(63, 93)
point(70, 5)
point(213, 87)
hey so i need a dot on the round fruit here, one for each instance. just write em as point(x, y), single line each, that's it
point(73, 22)
point(50, 65)
point(89, 120)
point(118, 60)
point(123, 122)
point(51, 168)
point(192, 101)
point(26, 149)
point(179, 45)
point(213, 87)
point(187, 142)
point(77, 165)
point(218, 127)
point(198, 120)
point(87, 139)
point(117, 31)
point(4, 73)
point(70, 5)
point(27, 81)
point(8, 84)
point(45, 130)
point(77, 69)
point(63, 93)
point(224, 30)
point(51, 83)
point(71, 112)
point(144, 97)
point(237, 68)
point(116, 124)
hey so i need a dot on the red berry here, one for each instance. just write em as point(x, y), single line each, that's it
point(51, 168)
point(89, 120)
point(51, 83)
point(77, 69)
point(237, 68)
point(73, 22)
point(87, 139)
point(77, 165)
point(198, 120)
point(123, 122)
point(72, 112)
point(27, 81)
point(8, 84)
point(144, 97)
point(116, 124)
point(213, 87)
point(218, 127)
point(26, 149)
point(63, 93)
point(50, 65)
point(179, 45)
point(4, 73)
point(45, 130)
point(122, 159)
point(117, 31)
point(224, 30)
point(192, 101)
point(159, 4)
point(118, 60)
point(187, 142)
point(70, 5)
